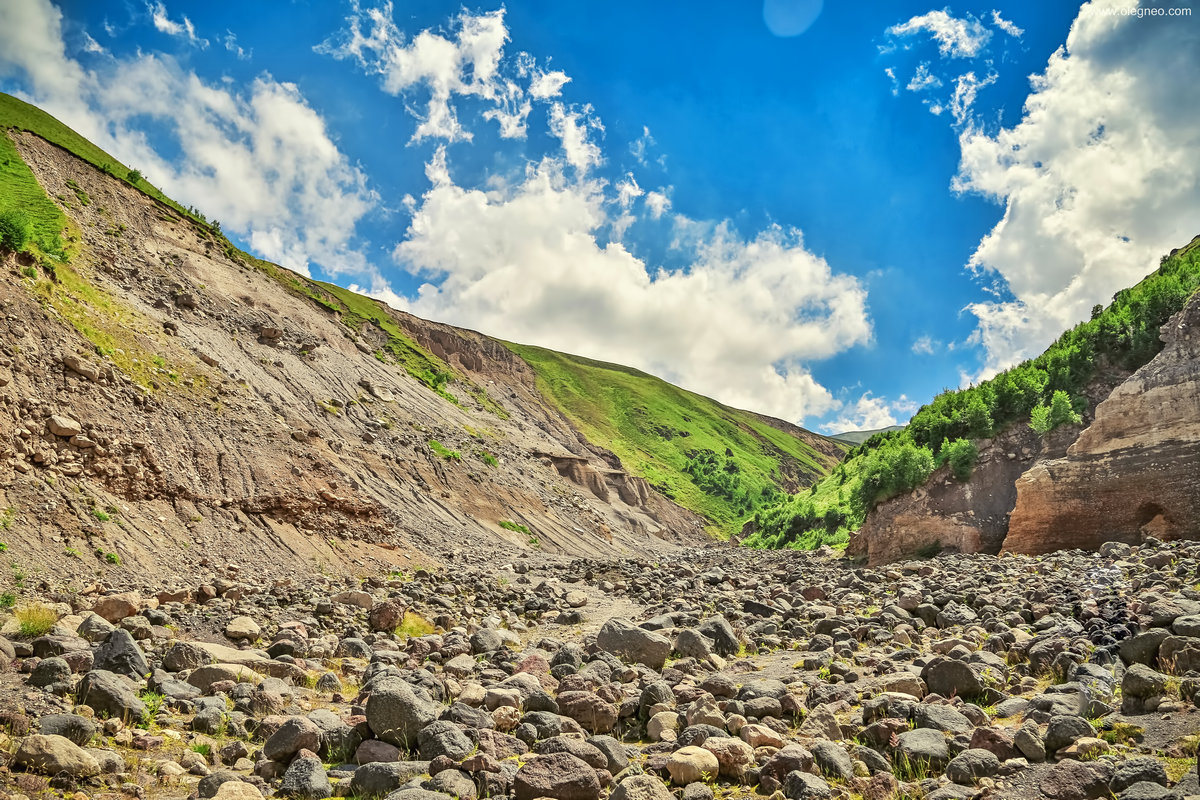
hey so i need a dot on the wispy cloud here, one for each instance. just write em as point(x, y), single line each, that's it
point(923, 79)
point(925, 346)
point(1008, 27)
point(164, 24)
point(90, 45)
point(956, 37)
point(231, 44)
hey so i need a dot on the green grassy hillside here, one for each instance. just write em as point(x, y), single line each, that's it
point(1042, 392)
point(718, 461)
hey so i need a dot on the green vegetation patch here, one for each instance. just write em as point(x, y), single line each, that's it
point(1043, 392)
point(443, 451)
point(720, 462)
point(509, 525)
point(113, 328)
point(30, 215)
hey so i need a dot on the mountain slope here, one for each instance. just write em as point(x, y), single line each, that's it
point(718, 461)
point(168, 402)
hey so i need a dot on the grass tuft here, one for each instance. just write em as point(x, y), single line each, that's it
point(413, 625)
point(36, 619)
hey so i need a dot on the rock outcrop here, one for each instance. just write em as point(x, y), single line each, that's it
point(951, 515)
point(1135, 471)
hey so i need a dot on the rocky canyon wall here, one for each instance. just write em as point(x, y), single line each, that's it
point(1135, 471)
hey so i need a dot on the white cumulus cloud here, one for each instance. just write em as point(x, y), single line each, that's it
point(546, 85)
point(1099, 178)
point(739, 323)
point(870, 413)
point(443, 67)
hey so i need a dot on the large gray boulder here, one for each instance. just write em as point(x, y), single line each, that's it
point(923, 746)
point(444, 738)
point(79, 730)
point(948, 677)
point(397, 712)
point(298, 733)
point(725, 641)
point(121, 655)
point(111, 695)
point(627, 641)
point(51, 754)
point(378, 778)
point(305, 779)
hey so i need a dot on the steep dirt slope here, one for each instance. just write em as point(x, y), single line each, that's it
point(1135, 471)
point(231, 419)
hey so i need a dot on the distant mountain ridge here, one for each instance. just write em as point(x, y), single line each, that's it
point(858, 437)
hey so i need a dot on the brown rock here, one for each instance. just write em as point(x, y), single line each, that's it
point(558, 775)
point(63, 426)
point(386, 615)
point(588, 710)
point(116, 607)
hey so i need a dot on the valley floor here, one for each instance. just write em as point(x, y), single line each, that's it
point(713, 671)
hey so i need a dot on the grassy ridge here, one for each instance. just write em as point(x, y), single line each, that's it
point(18, 114)
point(717, 461)
point(91, 310)
point(1123, 335)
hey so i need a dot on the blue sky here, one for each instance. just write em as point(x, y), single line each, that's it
point(828, 213)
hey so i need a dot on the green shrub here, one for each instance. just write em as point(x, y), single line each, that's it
point(1044, 419)
point(440, 449)
point(16, 230)
point(8, 600)
point(113, 559)
point(490, 459)
point(508, 525)
point(961, 455)
point(900, 466)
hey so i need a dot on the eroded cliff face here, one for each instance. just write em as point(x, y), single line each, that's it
point(269, 433)
point(952, 515)
point(1135, 471)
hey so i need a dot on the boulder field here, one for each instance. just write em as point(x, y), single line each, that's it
point(720, 672)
